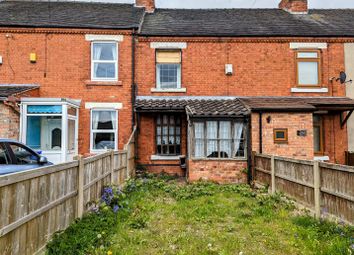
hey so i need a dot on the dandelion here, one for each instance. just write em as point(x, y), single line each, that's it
point(99, 236)
point(109, 252)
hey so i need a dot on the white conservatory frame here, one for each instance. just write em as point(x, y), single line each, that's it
point(64, 154)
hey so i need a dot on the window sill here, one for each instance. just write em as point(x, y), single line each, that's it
point(309, 90)
point(165, 158)
point(321, 158)
point(181, 90)
point(103, 83)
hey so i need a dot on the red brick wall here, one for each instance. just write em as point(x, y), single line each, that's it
point(294, 5)
point(220, 171)
point(63, 68)
point(335, 137)
point(296, 147)
point(9, 122)
point(148, 4)
point(261, 68)
point(147, 147)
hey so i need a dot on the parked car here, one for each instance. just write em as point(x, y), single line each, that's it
point(17, 157)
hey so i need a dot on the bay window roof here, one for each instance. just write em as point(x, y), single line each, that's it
point(205, 106)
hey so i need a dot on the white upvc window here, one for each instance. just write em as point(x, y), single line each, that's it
point(168, 69)
point(104, 61)
point(104, 130)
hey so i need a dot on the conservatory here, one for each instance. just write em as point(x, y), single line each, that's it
point(50, 127)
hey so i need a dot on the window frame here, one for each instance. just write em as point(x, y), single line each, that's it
point(168, 134)
point(319, 124)
point(93, 78)
point(93, 131)
point(318, 60)
point(281, 140)
point(218, 139)
point(157, 69)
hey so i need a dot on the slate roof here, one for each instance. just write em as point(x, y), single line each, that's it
point(194, 106)
point(249, 22)
point(69, 15)
point(240, 106)
point(7, 90)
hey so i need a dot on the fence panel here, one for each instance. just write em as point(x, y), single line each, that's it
point(329, 193)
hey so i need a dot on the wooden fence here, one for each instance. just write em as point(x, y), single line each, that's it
point(36, 203)
point(327, 189)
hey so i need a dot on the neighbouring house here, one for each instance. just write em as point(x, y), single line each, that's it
point(215, 85)
point(9, 107)
point(80, 55)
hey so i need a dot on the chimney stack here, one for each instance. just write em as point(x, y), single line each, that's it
point(149, 5)
point(294, 6)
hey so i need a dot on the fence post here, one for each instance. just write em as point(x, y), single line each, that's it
point(112, 168)
point(317, 188)
point(80, 188)
point(272, 163)
point(127, 163)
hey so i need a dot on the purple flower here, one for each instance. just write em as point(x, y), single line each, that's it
point(115, 208)
point(352, 246)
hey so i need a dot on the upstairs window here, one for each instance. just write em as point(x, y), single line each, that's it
point(168, 69)
point(104, 61)
point(308, 65)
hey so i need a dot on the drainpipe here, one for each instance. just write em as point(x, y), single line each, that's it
point(133, 86)
point(260, 133)
point(249, 150)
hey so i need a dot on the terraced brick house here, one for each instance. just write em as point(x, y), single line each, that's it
point(205, 87)
point(215, 85)
point(79, 58)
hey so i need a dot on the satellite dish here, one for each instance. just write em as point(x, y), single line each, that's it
point(342, 77)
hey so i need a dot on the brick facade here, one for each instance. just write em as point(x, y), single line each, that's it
point(147, 147)
point(220, 171)
point(9, 122)
point(262, 67)
point(300, 147)
point(63, 69)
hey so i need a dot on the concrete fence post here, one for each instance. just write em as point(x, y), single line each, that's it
point(317, 188)
point(80, 188)
point(272, 163)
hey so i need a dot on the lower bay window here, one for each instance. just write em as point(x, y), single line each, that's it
point(168, 135)
point(219, 139)
point(104, 132)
